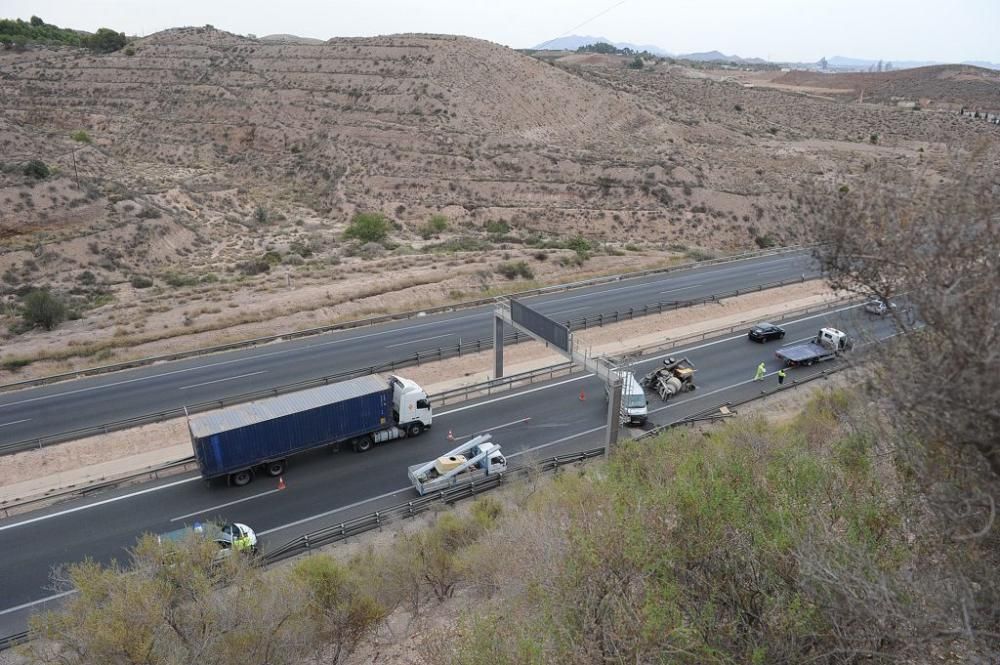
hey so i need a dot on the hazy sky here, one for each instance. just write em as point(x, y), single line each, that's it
point(790, 30)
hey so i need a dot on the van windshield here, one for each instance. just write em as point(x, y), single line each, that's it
point(634, 401)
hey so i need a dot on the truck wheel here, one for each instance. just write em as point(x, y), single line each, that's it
point(363, 444)
point(275, 468)
point(241, 478)
point(415, 429)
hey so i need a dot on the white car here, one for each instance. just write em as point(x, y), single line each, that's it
point(879, 306)
point(222, 534)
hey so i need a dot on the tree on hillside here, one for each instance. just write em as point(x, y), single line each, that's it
point(894, 235)
point(105, 41)
point(935, 248)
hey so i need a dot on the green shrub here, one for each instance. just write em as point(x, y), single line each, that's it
point(37, 169)
point(253, 267)
point(438, 222)
point(512, 270)
point(177, 280)
point(636, 63)
point(368, 227)
point(581, 246)
point(497, 227)
point(140, 282)
point(14, 364)
point(42, 308)
point(81, 136)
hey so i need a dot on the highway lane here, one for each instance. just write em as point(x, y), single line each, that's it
point(96, 400)
point(549, 415)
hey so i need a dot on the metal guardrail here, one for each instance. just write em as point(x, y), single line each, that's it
point(401, 316)
point(11, 641)
point(428, 355)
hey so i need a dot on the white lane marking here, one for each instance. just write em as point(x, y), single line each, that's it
point(596, 293)
point(222, 505)
point(414, 341)
point(37, 602)
point(15, 422)
point(228, 378)
point(445, 413)
point(567, 311)
point(495, 427)
point(226, 362)
point(557, 441)
point(681, 288)
point(97, 503)
point(334, 511)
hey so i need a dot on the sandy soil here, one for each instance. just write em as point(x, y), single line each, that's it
point(77, 463)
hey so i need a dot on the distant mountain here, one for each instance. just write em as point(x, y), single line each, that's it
point(573, 42)
point(982, 63)
point(841, 62)
point(718, 56)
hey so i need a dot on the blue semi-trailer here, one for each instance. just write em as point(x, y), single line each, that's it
point(241, 440)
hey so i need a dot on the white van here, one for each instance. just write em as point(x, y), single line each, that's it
point(634, 403)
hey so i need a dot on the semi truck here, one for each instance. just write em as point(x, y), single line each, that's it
point(242, 440)
point(477, 458)
point(828, 343)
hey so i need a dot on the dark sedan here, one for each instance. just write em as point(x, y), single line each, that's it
point(765, 332)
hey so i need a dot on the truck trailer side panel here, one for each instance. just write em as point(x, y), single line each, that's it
point(245, 435)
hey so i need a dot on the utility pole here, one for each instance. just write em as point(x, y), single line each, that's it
point(75, 172)
point(497, 347)
point(614, 413)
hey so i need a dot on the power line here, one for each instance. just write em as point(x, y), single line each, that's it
point(592, 18)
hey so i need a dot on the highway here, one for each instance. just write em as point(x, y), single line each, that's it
point(324, 488)
point(96, 400)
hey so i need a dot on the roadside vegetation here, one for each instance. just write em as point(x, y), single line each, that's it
point(18, 34)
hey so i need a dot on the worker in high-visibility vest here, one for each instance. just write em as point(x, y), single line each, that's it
point(761, 371)
point(781, 376)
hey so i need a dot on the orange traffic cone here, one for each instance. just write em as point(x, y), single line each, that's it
point(583, 396)
point(451, 437)
point(281, 482)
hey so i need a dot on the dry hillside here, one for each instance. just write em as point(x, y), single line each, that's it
point(201, 181)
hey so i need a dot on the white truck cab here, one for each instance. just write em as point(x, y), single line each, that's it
point(413, 409)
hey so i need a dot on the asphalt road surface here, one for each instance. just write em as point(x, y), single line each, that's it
point(324, 488)
point(93, 401)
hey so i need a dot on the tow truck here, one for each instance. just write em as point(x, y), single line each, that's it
point(828, 344)
point(477, 458)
